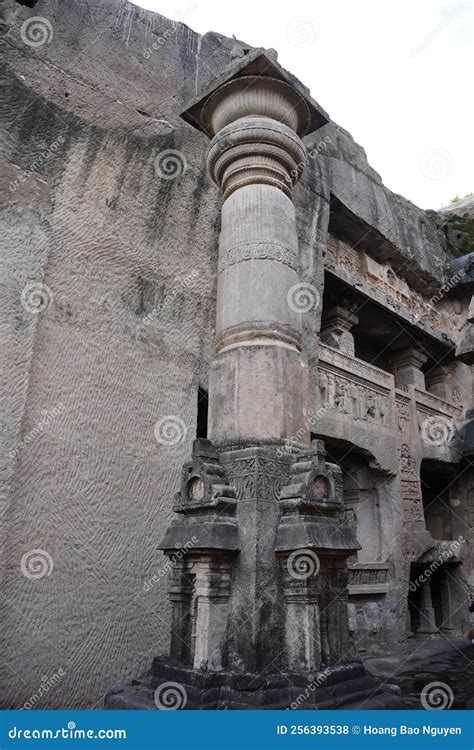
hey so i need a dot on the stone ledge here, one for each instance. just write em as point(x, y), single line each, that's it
point(332, 688)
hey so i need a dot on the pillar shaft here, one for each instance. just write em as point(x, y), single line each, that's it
point(256, 159)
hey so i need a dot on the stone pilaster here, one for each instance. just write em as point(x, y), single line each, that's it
point(447, 608)
point(336, 326)
point(438, 383)
point(427, 614)
point(211, 593)
point(337, 598)
point(314, 542)
point(301, 601)
point(256, 632)
point(180, 592)
point(408, 363)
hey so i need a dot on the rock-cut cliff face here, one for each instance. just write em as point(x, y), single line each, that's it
point(108, 278)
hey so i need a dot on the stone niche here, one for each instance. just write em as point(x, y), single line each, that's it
point(367, 497)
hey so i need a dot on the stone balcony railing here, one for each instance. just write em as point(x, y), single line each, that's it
point(354, 388)
point(428, 403)
point(361, 392)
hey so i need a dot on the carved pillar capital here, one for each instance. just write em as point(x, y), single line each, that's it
point(408, 363)
point(255, 150)
point(336, 324)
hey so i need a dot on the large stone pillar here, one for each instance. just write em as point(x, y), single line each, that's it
point(257, 499)
point(258, 385)
point(256, 157)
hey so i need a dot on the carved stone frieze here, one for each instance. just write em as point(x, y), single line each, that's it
point(385, 281)
point(368, 578)
point(353, 398)
point(406, 459)
point(367, 574)
point(341, 254)
point(403, 418)
point(258, 250)
point(254, 474)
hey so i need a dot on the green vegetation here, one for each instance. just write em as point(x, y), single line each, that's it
point(458, 199)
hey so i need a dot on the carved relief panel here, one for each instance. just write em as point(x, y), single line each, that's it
point(352, 398)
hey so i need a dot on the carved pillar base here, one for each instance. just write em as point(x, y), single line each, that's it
point(256, 635)
point(247, 630)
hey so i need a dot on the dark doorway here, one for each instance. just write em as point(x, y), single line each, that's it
point(202, 413)
point(435, 483)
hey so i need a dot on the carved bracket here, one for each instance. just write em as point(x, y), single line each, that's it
point(203, 483)
point(315, 485)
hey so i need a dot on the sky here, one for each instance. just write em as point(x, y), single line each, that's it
point(397, 76)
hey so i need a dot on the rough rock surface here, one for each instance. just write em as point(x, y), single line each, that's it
point(114, 242)
point(444, 663)
point(457, 223)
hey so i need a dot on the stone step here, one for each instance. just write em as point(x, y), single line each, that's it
point(337, 687)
